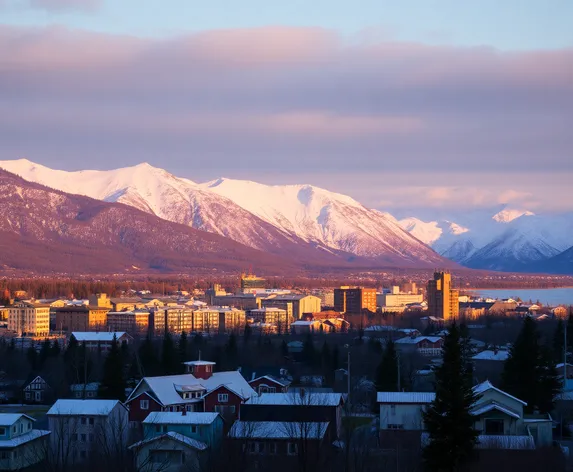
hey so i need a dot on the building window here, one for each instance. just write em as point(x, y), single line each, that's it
point(29, 425)
point(272, 448)
point(144, 404)
point(493, 427)
point(83, 420)
point(74, 437)
point(2, 431)
point(83, 438)
point(223, 397)
point(292, 449)
point(193, 429)
point(91, 421)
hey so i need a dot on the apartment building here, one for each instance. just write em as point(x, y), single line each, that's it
point(81, 318)
point(133, 322)
point(354, 299)
point(28, 319)
point(295, 305)
point(174, 319)
point(442, 299)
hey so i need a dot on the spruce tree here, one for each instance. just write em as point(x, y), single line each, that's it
point(55, 350)
point(529, 372)
point(183, 350)
point(45, 351)
point(448, 420)
point(570, 331)
point(308, 351)
point(113, 382)
point(231, 352)
point(169, 364)
point(558, 341)
point(247, 334)
point(148, 357)
point(387, 371)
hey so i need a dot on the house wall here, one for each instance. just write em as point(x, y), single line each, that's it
point(192, 459)
point(212, 403)
point(210, 434)
point(23, 456)
point(257, 383)
point(409, 415)
point(511, 426)
point(138, 414)
point(542, 433)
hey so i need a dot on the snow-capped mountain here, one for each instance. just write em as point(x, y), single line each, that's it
point(503, 239)
point(277, 219)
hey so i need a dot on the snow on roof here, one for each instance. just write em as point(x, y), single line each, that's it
point(83, 407)
point(278, 430)
point(103, 336)
point(304, 323)
point(283, 382)
point(491, 356)
point(483, 387)
point(267, 309)
point(169, 417)
point(418, 339)
point(480, 409)
point(380, 328)
point(23, 438)
point(164, 388)
point(8, 419)
point(201, 446)
point(406, 397)
point(314, 399)
point(199, 363)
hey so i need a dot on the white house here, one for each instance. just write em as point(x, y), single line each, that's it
point(80, 428)
point(403, 410)
point(21, 446)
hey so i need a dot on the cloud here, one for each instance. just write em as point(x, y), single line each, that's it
point(298, 101)
point(59, 5)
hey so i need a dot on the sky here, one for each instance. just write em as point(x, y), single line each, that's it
point(405, 106)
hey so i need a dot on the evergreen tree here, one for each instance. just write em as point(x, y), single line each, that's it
point(467, 349)
point(12, 345)
point(247, 334)
point(570, 331)
point(55, 350)
point(113, 382)
point(231, 352)
point(182, 347)
point(529, 372)
point(169, 364)
point(326, 362)
point(335, 356)
point(448, 421)
point(148, 357)
point(558, 341)
point(308, 351)
point(32, 357)
point(387, 370)
point(284, 348)
point(45, 351)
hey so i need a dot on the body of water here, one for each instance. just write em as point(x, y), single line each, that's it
point(547, 296)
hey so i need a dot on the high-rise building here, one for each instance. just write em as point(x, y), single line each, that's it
point(442, 300)
point(252, 284)
point(354, 299)
point(81, 318)
point(28, 319)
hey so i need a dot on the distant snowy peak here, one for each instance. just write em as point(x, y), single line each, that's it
point(432, 231)
point(508, 214)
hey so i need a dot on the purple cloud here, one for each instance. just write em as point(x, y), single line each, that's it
point(295, 100)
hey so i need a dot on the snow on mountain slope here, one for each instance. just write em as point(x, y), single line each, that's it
point(433, 232)
point(277, 219)
point(325, 218)
point(509, 214)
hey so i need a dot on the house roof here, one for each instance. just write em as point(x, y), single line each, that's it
point(164, 388)
point(83, 407)
point(417, 339)
point(294, 399)
point(168, 417)
point(199, 363)
point(483, 387)
point(283, 382)
point(8, 419)
point(405, 397)
point(278, 430)
point(23, 438)
point(491, 356)
point(103, 336)
point(480, 409)
point(171, 435)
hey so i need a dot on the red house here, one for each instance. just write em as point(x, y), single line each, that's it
point(200, 389)
point(269, 384)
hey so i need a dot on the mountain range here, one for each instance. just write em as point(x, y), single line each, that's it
point(310, 225)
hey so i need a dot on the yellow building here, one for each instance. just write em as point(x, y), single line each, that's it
point(442, 299)
point(174, 319)
point(132, 322)
point(28, 319)
point(81, 318)
point(100, 300)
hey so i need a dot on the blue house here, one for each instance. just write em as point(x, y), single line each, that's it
point(21, 446)
point(205, 427)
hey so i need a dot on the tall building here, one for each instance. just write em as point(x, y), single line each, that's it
point(295, 305)
point(101, 300)
point(134, 322)
point(252, 284)
point(273, 316)
point(28, 319)
point(354, 299)
point(442, 300)
point(174, 319)
point(81, 318)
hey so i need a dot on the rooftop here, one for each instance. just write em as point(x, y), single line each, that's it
point(23, 438)
point(405, 397)
point(417, 339)
point(101, 336)
point(83, 407)
point(278, 430)
point(168, 417)
point(8, 419)
point(199, 363)
point(311, 399)
point(491, 356)
point(171, 435)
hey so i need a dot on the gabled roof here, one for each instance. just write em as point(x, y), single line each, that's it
point(8, 419)
point(103, 336)
point(23, 438)
point(296, 399)
point(171, 435)
point(417, 339)
point(168, 417)
point(83, 407)
point(483, 387)
point(491, 356)
point(480, 409)
point(164, 388)
point(405, 397)
point(283, 382)
point(278, 430)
